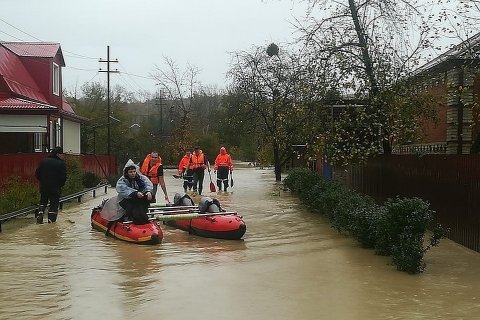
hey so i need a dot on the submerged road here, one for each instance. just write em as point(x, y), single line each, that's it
point(290, 265)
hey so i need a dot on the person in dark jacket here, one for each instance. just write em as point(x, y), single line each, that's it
point(51, 174)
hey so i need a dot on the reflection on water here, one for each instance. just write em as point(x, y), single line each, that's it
point(290, 265)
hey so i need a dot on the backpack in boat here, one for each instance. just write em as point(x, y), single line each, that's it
point(182, 199)
point(208, 204)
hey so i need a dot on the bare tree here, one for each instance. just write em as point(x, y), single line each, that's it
point(179, 86)
point(278, 98)
point(370, 45)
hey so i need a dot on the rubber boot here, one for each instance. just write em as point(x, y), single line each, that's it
point(39, 214)
point(52, 217)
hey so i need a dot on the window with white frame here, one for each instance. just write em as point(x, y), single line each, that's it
point(58, 132)
point(38, 141)
point(55, 133)
point(56, 79)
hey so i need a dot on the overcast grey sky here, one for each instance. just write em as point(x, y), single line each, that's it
point(141, 32)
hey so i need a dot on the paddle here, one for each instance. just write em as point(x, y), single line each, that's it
point(167, 207)
point(188, 216)
point(231, 178)
point(212, 185)
point(161, 210)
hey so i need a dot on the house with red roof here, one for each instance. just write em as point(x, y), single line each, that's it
point(34, 115)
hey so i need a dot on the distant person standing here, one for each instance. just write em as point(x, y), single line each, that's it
point(185, 171)
point(51, 174)
point(153, 169)
point(223, 164)
point(198, 164)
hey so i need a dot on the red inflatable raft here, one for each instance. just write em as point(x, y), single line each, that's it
point(213, 222)
point(229, 226)
point(149, 233)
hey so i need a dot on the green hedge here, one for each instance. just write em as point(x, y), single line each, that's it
point(397, 228)
point(16, 194)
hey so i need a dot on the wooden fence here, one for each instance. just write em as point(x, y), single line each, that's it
point(25, 164)
point(450, 183)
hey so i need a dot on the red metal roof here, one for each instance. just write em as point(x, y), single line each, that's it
point(18, 89)
point(8, 102)
point(17, 78)
point(67, 107)
point(34, 49)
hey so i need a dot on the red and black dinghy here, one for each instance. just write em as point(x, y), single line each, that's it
point(102, 220)
point(208, 220)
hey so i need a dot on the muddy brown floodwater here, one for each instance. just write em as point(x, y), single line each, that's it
point(290, 265)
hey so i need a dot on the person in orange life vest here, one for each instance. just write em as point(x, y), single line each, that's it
point(152, 168)
point(185, 171)
point(198, 164)
point(223, 164)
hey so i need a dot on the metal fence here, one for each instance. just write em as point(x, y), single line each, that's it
point(25, 164)
point(450, 183)
point(27, 210)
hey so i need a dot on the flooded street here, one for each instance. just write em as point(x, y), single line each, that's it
point(290, 265)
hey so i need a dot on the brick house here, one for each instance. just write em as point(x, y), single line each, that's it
point(453, 76)
point(34, 115)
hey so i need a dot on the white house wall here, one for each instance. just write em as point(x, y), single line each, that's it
point(71, 137)
point(24, 123)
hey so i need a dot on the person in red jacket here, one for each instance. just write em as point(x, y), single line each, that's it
point(185, 171)
point(223, 164)
point(152, 168)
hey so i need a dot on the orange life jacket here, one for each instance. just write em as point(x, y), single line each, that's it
point(184, 163)
point(151, 172)
point(223, 160)
point(197, 161)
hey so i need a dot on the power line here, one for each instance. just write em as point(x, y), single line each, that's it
point(10, 35)
point(133, 80)
point(108, 71)
point(28, 34)
point(136, 75)
point(78, 56)
point(81, 69)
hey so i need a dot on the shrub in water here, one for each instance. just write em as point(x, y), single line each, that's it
point(397, 228)
point(407, 253)
point(74, 176)
point(112, 180)
point(90, 179)
point(401, 215)
point(16, 194)
point(300, 180)
point(364, 223)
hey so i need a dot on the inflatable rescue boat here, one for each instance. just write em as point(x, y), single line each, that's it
point(150, 233)
point(210, 220)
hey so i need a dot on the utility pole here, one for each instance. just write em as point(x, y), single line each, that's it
point(108, 71)
point(159, 103)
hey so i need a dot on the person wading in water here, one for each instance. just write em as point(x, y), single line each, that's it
point(52, 174)
point(153, 169)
